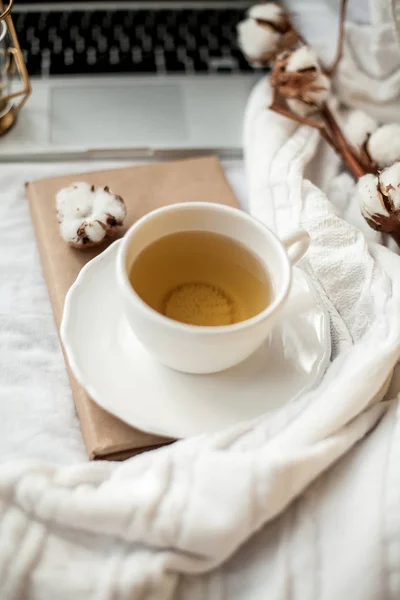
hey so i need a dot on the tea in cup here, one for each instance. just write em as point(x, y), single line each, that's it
point(203, 284)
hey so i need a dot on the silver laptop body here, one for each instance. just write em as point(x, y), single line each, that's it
point(130, 79)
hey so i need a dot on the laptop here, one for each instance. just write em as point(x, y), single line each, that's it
point(130, 79)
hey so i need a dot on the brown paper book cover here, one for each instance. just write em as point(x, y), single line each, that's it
point(143, 188)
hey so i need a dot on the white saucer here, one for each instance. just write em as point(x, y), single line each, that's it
point(122, 378)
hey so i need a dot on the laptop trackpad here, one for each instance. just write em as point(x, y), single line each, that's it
point(126, 115)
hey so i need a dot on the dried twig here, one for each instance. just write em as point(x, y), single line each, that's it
point(329, 130)
point(342, 146)
point(339, 46)
point(308, 84)
point(279, 106)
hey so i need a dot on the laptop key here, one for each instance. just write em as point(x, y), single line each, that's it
point(91, 56)
point(199, 65)
point(172, 64)
point(146, 65)
point(114, 57)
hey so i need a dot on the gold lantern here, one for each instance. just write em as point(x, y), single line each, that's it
point(14, 81)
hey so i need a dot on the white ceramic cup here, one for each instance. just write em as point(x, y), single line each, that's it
point(193, 348)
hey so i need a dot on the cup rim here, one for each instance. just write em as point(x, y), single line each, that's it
point(123, 279)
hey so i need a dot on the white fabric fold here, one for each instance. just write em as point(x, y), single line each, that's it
point(369, 74)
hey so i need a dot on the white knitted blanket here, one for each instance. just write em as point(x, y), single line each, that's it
point(233, 515)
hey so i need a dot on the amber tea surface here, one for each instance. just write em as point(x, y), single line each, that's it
point(201, 278)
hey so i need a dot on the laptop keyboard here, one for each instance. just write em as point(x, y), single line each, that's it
point(131, 41)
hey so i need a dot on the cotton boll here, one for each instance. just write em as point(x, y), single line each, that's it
point(256, 41)
point(379, 197)
point(384, 145)
point(298, 78)
point(86, 215)
point(359, 126)
point(69, 230)
point(75, 232)
point(389, 181)
point(105, 203)
point(65, 200)
point(370, 197)
point(318, 92)
point(95, 231)
point(81, 186)
point(301, 108)
point(271, 12)
point(266, 31)
point(302, 58)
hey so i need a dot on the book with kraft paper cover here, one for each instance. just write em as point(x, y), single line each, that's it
point(143, 188)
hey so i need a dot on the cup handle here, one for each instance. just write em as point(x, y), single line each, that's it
point(296, 245)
